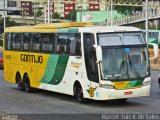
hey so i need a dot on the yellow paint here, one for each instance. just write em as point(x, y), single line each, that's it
point(120, 85)
point(62, 25)
point(28, 29)
point(13, 64)
point(91, 92)
point(134, 87)
point(74, 66)
point(47, 27)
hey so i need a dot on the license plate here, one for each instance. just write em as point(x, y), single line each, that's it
point(128, 93)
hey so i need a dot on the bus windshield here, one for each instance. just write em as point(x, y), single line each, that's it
point(122, 58)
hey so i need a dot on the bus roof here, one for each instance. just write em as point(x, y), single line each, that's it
point(62, 25)
point(70, 27)
point(27, 29)
point(100, 29)
point(49, 27)
point(152, 30)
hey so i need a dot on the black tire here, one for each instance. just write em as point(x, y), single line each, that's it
point(20, 84)
point(123, 100)
point(27, 86)
point(79, 94)
point(159, 81)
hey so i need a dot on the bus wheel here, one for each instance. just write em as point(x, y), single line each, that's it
point(27, 84)
point(123, 100)
point(79, 94)
point(19, 82)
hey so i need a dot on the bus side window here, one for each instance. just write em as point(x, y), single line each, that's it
point(61, 49)
point(74, 44)
point(8, 41)
point(47, 42)
point(78, 46)
point(90, 57)
point(26, 41)
point(55, 41)
point(36, 42)
point(61, 43)
point(16, 41)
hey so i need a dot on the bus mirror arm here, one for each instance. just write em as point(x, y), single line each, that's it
point(98, 53)
point(98, 61)
point(155, 49)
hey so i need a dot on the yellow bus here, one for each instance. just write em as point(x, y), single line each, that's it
point(78, 59)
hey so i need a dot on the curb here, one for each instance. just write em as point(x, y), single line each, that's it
point(155, 67)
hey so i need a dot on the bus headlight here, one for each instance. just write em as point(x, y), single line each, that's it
point(146, 83)
point(107, 86)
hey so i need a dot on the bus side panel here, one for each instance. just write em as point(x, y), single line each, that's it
point(32, 64)
point(35, 67)
point(9, 66)
point(61, 73)
point(7, 72)
point(54, 72)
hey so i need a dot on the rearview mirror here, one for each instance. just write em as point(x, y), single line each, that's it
point(98, 52)
point(155, 49)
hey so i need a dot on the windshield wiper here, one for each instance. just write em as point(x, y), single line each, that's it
point(132, 66)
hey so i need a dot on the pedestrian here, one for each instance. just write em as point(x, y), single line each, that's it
point(159, 79)
point(155, 11)
point(152, 11)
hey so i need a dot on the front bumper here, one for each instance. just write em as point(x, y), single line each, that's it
point(109, 94)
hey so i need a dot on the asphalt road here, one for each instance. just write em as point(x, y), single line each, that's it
point(44, 105)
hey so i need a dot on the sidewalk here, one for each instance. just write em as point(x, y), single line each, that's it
point(155, 66)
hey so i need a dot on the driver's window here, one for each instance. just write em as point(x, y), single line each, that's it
point(90, 57)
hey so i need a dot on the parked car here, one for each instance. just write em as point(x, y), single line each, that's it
point(159, 78)
point(1, 57)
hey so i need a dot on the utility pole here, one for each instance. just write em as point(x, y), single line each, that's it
point(4, 10)
point(48, 11)
point(111, 12)
point(22, 15)
point(25, 16)
point(45, 14)
point(81, 13)
point(146, 21)
point(35, 14)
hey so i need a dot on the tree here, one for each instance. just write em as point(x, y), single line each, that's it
point(39, 13)
point(72, 15)
point(8, 22)
point(158, 24)
point(128, 10)
point(1, 40)
point(56, 15)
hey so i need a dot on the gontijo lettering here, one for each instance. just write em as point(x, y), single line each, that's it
point(31, 58)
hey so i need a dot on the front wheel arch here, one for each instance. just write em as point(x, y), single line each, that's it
point(78, 92)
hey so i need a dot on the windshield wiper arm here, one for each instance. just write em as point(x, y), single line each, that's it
point(132, 66)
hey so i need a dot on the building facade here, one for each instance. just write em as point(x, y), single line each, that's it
point(58, 7)
point(26, 8)
point(93, 6)
point(68, 7)
point(2, 5)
